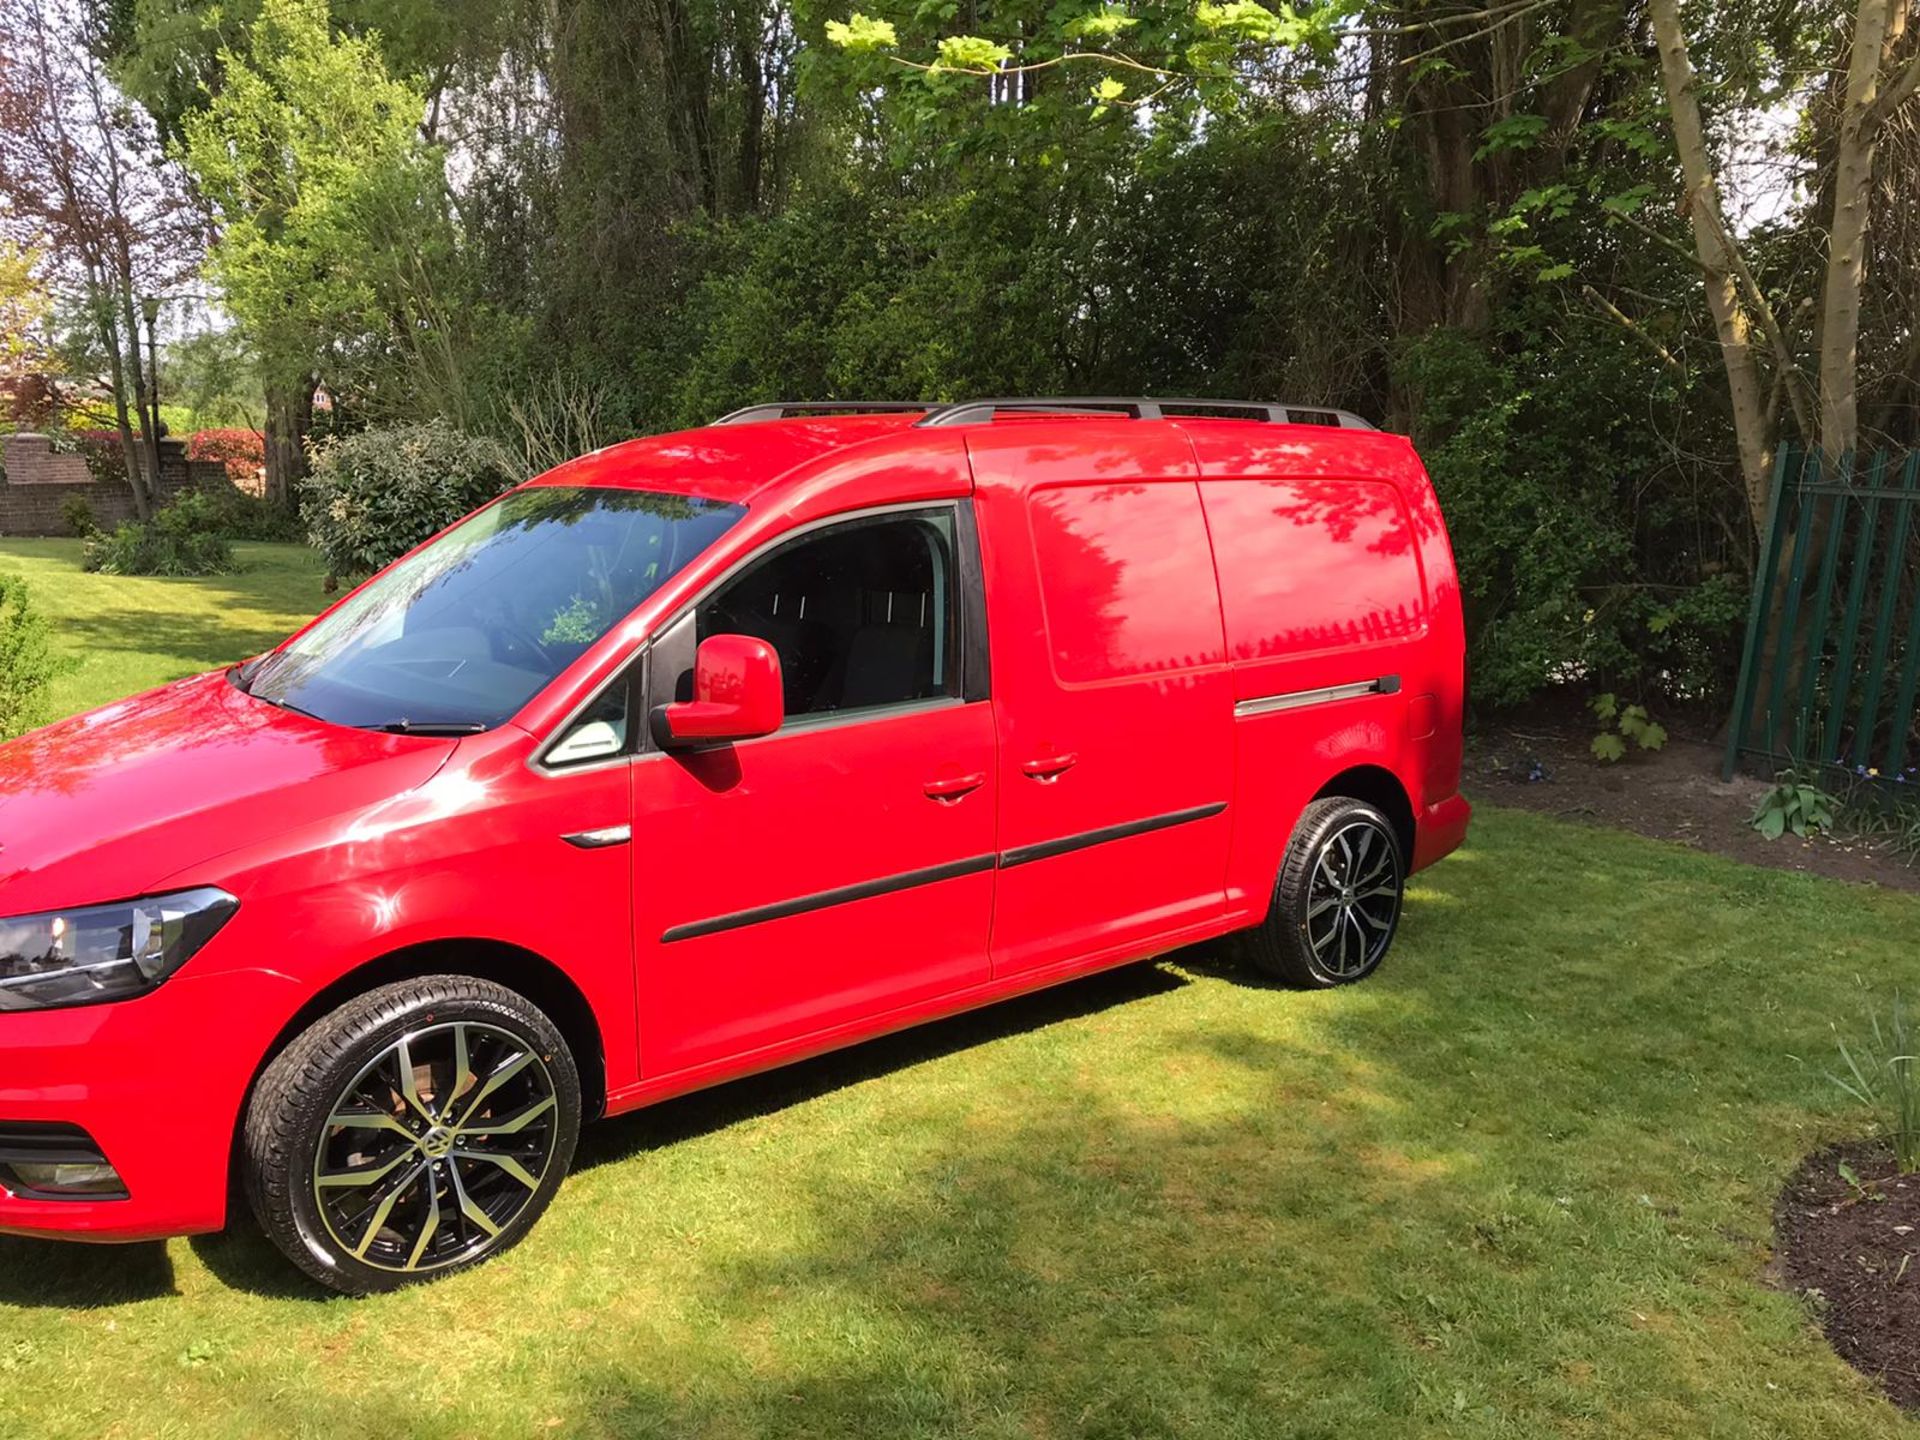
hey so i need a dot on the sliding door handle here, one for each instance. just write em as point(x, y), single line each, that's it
point(599, 839)
point(1049, 768)
point(951, 787)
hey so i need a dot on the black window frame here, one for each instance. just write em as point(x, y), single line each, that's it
point(673, 647)
point(650, 673)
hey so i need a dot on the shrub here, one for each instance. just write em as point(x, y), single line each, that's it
point(376, 494)
point(184, 538)
point(27, 665)
point(240, 516)
point(243, 452)
point(76, 513)
point(1797, 803)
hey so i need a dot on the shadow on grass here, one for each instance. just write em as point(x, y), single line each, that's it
point(54, 1273)
point(706, 1111)
point(62, 1275)
point(208, 640)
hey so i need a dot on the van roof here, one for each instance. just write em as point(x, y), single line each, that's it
point(748, 452)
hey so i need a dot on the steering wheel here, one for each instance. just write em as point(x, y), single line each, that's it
point(512, 639)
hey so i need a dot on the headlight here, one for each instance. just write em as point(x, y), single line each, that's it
point(97, 953)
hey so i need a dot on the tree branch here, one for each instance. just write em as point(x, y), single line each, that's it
point(1897, 93)
point(1632, 327)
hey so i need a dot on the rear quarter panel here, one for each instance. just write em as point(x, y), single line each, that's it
point(1334, 569)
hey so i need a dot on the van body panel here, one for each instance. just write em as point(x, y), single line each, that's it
point(1178, 633)
point(1110, 688)
point(751, 925)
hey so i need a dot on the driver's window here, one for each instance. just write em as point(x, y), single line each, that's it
point(861, 614)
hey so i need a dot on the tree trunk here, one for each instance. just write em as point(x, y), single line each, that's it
point(1702, 205)
point(109, 335)
point(289, 417)
point(1847, 246)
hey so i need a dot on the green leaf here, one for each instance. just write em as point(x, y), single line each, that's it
point(1771, 822)
point(1608, 748)
point(972, 52)
point(862, 34)
point(1652, 736)
point(1562, 271)
point(1514, 132)
point(1101, 25)
point(1606, 705)
point(1246, 20)
point(1108, 90)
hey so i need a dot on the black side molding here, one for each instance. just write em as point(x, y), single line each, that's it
point(908, 879)
point(820, 900)
point(1066, 844)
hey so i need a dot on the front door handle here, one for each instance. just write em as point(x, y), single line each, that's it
point(951, 787)
point(1049, 768)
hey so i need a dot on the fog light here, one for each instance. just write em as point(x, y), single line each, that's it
point(68, 1178)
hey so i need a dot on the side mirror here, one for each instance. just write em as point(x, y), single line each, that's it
point(737, 695)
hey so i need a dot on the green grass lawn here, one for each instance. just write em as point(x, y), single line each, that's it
point(126, 634)
point(1519, 1184)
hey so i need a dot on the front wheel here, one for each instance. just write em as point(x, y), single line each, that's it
point(417, 1130)
point(1336, 904)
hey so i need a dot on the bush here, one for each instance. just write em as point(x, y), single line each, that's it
point(376, 494)
point(243, 452)
point(27, 665)
point(240, 516)
point(76, 513)
point(185, 538)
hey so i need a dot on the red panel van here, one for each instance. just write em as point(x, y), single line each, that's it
point(701, 754)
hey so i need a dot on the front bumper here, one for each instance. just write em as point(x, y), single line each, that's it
point(157, 1083)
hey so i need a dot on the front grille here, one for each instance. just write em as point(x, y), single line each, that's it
point(35, 1142)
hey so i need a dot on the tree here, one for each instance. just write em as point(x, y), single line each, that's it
point(332, 232)
point(26, 311)
point(82, 176)
point(1872, 85)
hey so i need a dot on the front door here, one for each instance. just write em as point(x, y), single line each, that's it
point(1111, 689)
point(841, 869)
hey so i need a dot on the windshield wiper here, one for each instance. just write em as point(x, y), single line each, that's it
point(432, 727)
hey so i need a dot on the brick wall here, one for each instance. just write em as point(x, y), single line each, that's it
point(39, 481)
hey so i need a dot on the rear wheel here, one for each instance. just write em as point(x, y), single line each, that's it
point(1337, 902)
point(418, 1130)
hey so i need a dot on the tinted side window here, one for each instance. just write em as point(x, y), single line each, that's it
point(861, 614)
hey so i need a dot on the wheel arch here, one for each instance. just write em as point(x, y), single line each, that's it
point(532, 976)
point(1381, 788)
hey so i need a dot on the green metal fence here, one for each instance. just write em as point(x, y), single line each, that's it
point(1832, 658)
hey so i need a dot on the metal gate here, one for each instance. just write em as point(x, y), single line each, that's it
point(1832, 656)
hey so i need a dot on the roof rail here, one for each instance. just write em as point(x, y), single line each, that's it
point(784, 409)
point(972, 412)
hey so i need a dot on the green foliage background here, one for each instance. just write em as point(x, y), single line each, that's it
point(556, 226)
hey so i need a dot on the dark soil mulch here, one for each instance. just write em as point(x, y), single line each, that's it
point(1543, 763)
point(1859, 1260)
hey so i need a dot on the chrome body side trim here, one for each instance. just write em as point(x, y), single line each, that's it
point(1294, 699)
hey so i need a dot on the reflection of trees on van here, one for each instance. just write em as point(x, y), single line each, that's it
point(1369, 512)
point(1118, 581)
point(1341, 574)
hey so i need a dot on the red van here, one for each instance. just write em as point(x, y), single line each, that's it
point(701, 754)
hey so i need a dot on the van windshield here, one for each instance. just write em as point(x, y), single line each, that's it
point(457, 637)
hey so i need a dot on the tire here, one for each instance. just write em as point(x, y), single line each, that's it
point(1297, 943)
point(448, 1183)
